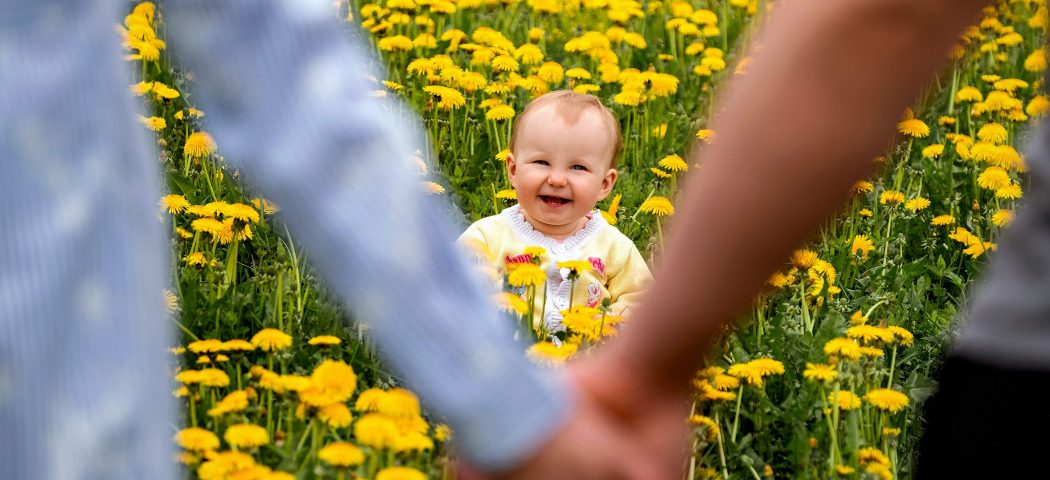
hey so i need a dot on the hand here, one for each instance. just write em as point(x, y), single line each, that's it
point(617, 431)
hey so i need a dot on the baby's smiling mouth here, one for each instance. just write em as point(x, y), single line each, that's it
point(553, 201)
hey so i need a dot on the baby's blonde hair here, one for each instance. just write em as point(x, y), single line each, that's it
point(569, 105)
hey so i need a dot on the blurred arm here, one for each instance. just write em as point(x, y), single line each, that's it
point(286, 97)
point(818, 102)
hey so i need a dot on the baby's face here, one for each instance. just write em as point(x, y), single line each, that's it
point(561, 170)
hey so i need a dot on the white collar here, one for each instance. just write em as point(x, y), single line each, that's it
point(516, 219)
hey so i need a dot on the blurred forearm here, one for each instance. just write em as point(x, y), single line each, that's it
point(818, 102)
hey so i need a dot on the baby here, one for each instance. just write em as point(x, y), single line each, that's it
point(562, 162)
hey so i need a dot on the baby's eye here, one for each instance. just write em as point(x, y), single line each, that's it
point(579, 167)
point(541, 162)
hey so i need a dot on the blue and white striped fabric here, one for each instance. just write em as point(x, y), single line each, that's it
point(84, 384)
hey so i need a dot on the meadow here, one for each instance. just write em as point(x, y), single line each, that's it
point(825, 378)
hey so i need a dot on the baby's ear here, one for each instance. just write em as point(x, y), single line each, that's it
point(512, 168)
point(608, 182)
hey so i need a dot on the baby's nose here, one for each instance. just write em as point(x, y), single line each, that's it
point(556, 179)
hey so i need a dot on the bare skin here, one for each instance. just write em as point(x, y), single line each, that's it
point(823, 96)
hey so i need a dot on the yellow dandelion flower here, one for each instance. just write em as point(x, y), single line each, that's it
point(820, 372)
point(332, 381)
point(891, 197)
point(500, 113)
point(994, 178)
point(941, 220)
point(449, 98)
point(271, 340)
point(400, 473)
point(872, 455)
point(395, 43)
point(505, 63)
point(706, 135)
point(341, 454)
point(199, 145)
point(614, 207)
point(1002, 217)
point(863, 186)
point(845, 400)
point(865, 212)
point(325, 340)
point(586, 88)
point(1012, 191)
point(376, 431)
point(236, 401)
point(844, 470)
point(507, 194)
point(1010, 84)
point(578, 73)
point(155, 124)
point(725, 382)
point(246, 435)
point(804, 259)
point(1038, 106)
point(858, 318)
point(767, 366)
point(576, 266)
point(629, 98)
point(238, 345)
point(945, 120)
point(660, 173)
point(213, 377)
point(968, 94)
point(862, 245)
point(844, 347)
point(663, 84)
point(336, 415)
point(175, 204)
point(745, 371)
point(913, 127)
point(933, 151)
point(708, 426)
point(709, 393)
point(551, 72)
point(165, 92)
point(511, 303)
point(1036, 61)
point(674, 163)
point(657, 205)
point(917, 204)
point(1000, 100)
point(197, 439)
point(527, 274)
point(871, 352)
point(780, 280)
point(443, 433)
point(398, 403)
point(887, 399)
point(660, 131)
point(902, 335)
point(549, 353)
point(993, 133)
point(209, 345)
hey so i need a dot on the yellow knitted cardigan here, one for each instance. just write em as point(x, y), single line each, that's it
point(619, 272)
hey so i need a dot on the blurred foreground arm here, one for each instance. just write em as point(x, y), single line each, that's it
point(286, 96)
point(818, 103)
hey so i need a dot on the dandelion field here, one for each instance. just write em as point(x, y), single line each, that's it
point(825, 379)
